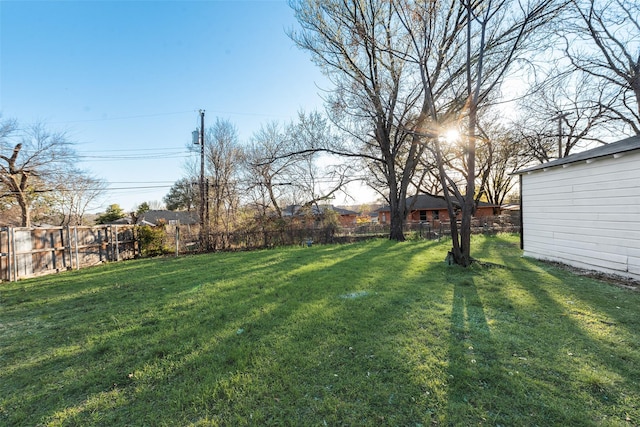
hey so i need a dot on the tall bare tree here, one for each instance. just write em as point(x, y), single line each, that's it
point(285, 165)
point(223, 156)
point(501, 153)
point(405, 70)
point(564, 111)
point(604, 43)
point(316, 176)
point(269, 167)
point(358, 45)
point(30, 159)
point(464, 50)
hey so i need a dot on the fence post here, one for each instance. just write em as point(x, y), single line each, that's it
point(115, 238)
point(6, 255)
point(68, 249)
point(100, 244)
point(108, 234)
point(12, 250)
point(177, 240)
point(54, 257)
point(75, 240)
point(136, 243)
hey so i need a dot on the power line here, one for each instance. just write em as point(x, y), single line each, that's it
point(141, 182)
point(141, 116)
point(135, 150)
point(118, 158)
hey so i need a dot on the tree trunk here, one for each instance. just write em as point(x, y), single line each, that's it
point(464, 257)
point(24, 210)
point(396, 231)
point(398, 211)
point(462, 254)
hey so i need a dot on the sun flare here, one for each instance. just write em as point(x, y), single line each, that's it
point(451, 136)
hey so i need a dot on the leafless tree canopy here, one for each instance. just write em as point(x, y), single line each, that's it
point(291, 164)
point(603, 42)
point(404, 71)
point(224, 156)
point(31, 160)
point(73, 192)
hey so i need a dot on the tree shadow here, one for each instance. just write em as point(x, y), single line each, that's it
point(478, 380)
point(363, 334)
point(557, 342)
point(277, 335)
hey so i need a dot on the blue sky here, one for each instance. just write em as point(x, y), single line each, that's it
point(126, 79)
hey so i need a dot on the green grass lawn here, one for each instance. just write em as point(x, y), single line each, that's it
point(373, 333)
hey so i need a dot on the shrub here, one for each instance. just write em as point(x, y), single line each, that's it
point(151, 240)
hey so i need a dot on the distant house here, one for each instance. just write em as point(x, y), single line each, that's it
point(164, 217)
point(347, 218)
point(584, 209)
point(432, 209)
point(121, 221)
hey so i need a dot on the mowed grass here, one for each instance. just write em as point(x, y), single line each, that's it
point(373, 333)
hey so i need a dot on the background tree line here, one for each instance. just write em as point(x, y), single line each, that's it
point(518, 82)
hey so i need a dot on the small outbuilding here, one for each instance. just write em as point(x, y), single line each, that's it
point(584, 209)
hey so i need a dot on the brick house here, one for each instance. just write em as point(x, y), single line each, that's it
point(433, 209)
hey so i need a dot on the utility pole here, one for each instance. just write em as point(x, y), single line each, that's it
point(559, 118)
point(204, 232)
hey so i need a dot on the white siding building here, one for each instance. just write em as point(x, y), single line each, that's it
point(584, 210)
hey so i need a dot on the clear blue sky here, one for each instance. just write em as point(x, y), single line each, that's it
point(126, 79)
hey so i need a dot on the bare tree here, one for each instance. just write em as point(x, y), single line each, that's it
point(358, 46)
point(269, 166)
point(404, 71)
point(285, 165)
point(604, 43)
point(501, 154)
point(30, 160)
point(565, 111)
point(316, 176)
point(223, 156)
point(464, 50)
point(74, 192)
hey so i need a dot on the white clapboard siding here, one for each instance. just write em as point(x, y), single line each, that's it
point(585, 214)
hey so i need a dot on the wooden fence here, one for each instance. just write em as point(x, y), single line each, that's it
point(28, 252)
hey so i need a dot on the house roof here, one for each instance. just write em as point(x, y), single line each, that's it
point(619, 147)
point(428, 202)
point(293, 210)
point(342, 211)
point(121, 221)
point(184, 217)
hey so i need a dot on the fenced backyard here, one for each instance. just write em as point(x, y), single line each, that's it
point(375, 333)
point(29, 252)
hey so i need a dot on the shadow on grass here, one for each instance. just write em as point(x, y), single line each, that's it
point(596, 344)
point(563, 345)
point(374, 333)
point(235, 340)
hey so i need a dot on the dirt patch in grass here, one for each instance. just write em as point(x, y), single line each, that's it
point(612, 279)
